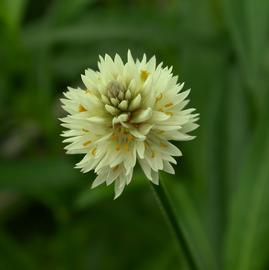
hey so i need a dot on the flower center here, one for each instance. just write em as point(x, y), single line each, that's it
point(117, 98)
point(115, 90)
point(120, 102)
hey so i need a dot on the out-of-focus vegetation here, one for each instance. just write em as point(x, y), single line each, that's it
point(49, 217)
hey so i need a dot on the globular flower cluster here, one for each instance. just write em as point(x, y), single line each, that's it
point(127, 113)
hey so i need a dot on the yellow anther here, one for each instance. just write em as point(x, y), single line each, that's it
point(85, 130)
point(114, 137)
point(160, 110)
point(163, 145)
point(115, 168)
point(117, 147)
point(158, 98)
point(144, 75)
point(167, 105)
point(81, 108)
point(153, 154)
point(94, 151)
point(169, 113)
point(130, 138)
point(126, 146)
point(87, 143)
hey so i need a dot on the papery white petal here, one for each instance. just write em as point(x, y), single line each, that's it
point(141, 115)
point(100, 179)
point(155, 177)
point(119, 186)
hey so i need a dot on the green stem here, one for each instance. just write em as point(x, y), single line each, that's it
point(168, 210)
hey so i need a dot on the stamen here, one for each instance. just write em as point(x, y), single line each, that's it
point(158, 98)
point(115, 168)
point(153, 154)
point(117, 147)
point(85, 130)
point(130, 138)
point(81, 108)
point(144, 75)
point(169, 113)
point(87, 143)
point(163, 145)
point(126, 146)
point(94, 151)
point(170, 104)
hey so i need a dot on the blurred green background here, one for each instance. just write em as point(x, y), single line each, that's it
point(49, 217)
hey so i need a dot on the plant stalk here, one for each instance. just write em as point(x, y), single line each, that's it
point(168, 210)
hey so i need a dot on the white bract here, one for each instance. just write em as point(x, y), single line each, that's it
point(127, 113)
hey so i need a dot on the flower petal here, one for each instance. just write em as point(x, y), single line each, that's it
point(141, 115)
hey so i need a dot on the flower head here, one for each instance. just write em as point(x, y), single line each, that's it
point(127, 113)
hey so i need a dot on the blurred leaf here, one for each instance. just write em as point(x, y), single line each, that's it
point(13, 256)
point(163, 261)
point(192, 225)
point(248, 24)
point(237, 128)
point(62, 11)
point(11, 11)
point(36, 175)
point(102, 27)
point(90, 197)
point(207, 167)
point(248, 229)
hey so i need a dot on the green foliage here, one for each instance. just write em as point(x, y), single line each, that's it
point(49, 217)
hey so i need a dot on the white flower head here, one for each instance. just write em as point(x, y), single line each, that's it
point(127, 113)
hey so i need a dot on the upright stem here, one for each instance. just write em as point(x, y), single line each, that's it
point(168, 210)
